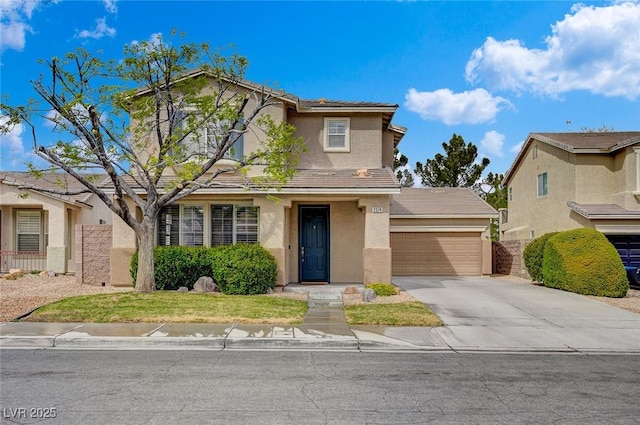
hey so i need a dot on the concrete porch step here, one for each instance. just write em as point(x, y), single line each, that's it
point(324, 299)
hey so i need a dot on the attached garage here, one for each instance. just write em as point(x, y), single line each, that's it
point(440, 232)
point(436, 254)
point(628, 247)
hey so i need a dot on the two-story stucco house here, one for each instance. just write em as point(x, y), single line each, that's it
point(562, 181)
point(332, 220)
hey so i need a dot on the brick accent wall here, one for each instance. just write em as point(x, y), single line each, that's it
point(507, 258)
point(93, 254)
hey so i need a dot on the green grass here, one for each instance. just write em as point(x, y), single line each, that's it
point(171, 306)
point(402, 314)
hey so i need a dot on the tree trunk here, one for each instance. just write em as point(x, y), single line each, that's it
point(145, 280)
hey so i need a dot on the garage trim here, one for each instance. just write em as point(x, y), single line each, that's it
point(437, 229)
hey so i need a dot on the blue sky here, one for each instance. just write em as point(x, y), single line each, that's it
point(489, 71)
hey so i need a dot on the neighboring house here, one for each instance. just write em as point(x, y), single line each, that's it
point(562, 181)
point(37, 228)
point(440, 231)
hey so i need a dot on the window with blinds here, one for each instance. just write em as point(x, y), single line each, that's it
point(28, 230)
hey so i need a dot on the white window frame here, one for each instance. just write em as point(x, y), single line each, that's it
point(204, 142)
point(206, 222)
point(235, 225)
point(30, 231)
point(347, 139)
point(542, 185)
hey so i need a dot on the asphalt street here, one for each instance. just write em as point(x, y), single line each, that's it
point(323, 387)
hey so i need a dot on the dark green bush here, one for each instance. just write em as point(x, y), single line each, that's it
point(177, 266)
point(383, 289)
point(244, 269)
point(585, 262)
point(534, 254)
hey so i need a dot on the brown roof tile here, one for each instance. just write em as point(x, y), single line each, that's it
point(605, 141)
point(51, 181)
point(603, 211)
point(315, 180)
point(442, 201)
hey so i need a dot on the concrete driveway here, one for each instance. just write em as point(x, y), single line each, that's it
point(483, 313)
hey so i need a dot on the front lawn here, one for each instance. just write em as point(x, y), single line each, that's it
point(400, 314)
point(171, 306)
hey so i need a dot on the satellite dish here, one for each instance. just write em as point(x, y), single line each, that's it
point(487, 188)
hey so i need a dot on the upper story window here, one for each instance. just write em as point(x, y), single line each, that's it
point(534, 152)
point(204, 142)
point(510, 191)
point(336, 135)
point(543, 185)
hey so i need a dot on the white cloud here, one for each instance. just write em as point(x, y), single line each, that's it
point(14, 16)
point(593, 48)
point(101, 30)
point(469, 107)
point(516, 148)
point(154, 39)
point(11, 146)
point(492, 143)
point(110, 6)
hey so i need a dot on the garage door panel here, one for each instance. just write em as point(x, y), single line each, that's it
point(435, 254)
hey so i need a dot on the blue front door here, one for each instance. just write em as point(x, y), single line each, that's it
point(314, 243)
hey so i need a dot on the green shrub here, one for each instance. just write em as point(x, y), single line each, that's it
point(534, 254)
point(177, 266)
point(382, 289)
point(244, 269)
point(585, 262)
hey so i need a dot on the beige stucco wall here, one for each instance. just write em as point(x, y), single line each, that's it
point(387, 149)
point(346, 227)
point(365, 141)
point(527, 212)
point(147, 144)
point(583, 178)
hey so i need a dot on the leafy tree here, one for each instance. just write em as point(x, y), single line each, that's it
point(495, 194)
point(127, 119)
point(400, 161)
point(457, 168)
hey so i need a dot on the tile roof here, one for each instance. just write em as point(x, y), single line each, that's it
point(315, 103)
point(313, 180)
point(441, 201)
point(603, 141)
point(603, 211)
point(51, 181)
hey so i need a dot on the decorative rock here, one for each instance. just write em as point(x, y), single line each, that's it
point(368, 295)
point(205, 284)
point(15, 271)
point(51, 273)
point(351, 290)
point(183, 289)
point(43, 273)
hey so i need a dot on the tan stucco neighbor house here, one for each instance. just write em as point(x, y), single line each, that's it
point(37, 229)
point(562, 181)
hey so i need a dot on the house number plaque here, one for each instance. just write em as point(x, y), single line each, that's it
point(377, 209)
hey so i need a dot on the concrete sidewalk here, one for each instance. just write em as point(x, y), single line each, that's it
point(481, 315)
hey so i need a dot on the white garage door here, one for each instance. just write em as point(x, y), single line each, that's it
point(436, 254)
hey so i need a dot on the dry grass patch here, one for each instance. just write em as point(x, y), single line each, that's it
point(172, 306)
point(391, 314)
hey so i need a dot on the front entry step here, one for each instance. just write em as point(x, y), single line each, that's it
point(324, 299)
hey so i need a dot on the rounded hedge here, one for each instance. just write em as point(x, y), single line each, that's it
point(533, 256)
point(383, 289)
point(244, 269)
point(177, 266)
point(585, 262)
